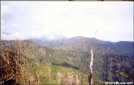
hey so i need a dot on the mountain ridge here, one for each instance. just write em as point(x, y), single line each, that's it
point(126, 47)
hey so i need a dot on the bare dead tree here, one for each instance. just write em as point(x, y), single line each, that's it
point(90, 79)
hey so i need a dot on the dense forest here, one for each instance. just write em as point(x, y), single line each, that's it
point(65, 61)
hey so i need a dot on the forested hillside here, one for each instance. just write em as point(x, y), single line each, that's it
point(80, 43)
point(21, 67)
point(66, 61)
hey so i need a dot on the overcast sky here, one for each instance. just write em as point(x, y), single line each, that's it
point(111, 21)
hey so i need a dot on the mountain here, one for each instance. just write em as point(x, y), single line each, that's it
point(125, 47)
point(80, 43)
point(48, 40)
point(67, 60)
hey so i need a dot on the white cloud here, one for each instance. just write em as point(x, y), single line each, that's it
point(15, 35)
point(36, 19)
point(6, 13)
point(14, 25)
point(2, 24)
point(5, 9)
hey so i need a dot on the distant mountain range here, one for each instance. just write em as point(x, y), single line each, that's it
point(80, 43)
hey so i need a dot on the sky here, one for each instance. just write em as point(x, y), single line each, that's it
point(108, 21)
